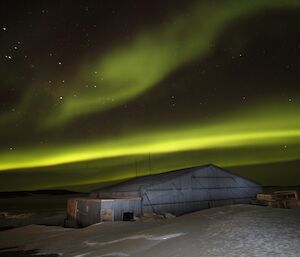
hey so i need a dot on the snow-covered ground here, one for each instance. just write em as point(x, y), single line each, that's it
point(240, 230)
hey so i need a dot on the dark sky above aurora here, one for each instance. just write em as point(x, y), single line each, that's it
point(90, 89)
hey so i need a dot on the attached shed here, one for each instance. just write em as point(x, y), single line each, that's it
point(88, 211)
point(184, 190)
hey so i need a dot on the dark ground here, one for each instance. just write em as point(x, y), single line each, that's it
point(12, 251)
point(47, 207)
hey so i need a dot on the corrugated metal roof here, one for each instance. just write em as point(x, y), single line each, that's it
point(137, 183)
point(144, 181)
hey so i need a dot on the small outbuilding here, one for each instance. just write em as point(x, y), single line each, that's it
point(177, 192)
point(87, 211)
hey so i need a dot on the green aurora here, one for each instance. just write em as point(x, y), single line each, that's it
point(130, 70)
point(262, 133)
point(253, 128)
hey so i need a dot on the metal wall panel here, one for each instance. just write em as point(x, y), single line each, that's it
point(203, 188)
point(182, 191)
point(72, 208)
point(126, 205)
point(88, 212)
point(119, 206)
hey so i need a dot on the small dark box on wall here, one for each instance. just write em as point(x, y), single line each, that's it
point(127, 216)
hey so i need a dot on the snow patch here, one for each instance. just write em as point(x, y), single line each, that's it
point(88, 243)
point(147, 237)
point(81, 255)
point(115, 255)
point(164, 237)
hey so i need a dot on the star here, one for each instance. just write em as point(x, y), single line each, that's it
point(180, 72)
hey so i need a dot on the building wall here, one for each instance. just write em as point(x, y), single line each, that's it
point(71, 208)
point(198, 190)
point(118, 206)
point(185, 190)
point(88, 211)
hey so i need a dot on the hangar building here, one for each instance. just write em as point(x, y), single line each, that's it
point(177, 192)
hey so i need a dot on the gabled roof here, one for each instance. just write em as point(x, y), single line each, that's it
point(135, 184)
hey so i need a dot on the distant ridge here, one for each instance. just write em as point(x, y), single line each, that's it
point(36, 192)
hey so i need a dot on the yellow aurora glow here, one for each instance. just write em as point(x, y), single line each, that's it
point(83, 119)
point(275, 129)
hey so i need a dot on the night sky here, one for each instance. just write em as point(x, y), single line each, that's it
point(98, 91)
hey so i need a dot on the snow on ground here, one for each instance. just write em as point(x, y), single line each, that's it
point(240, 230)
